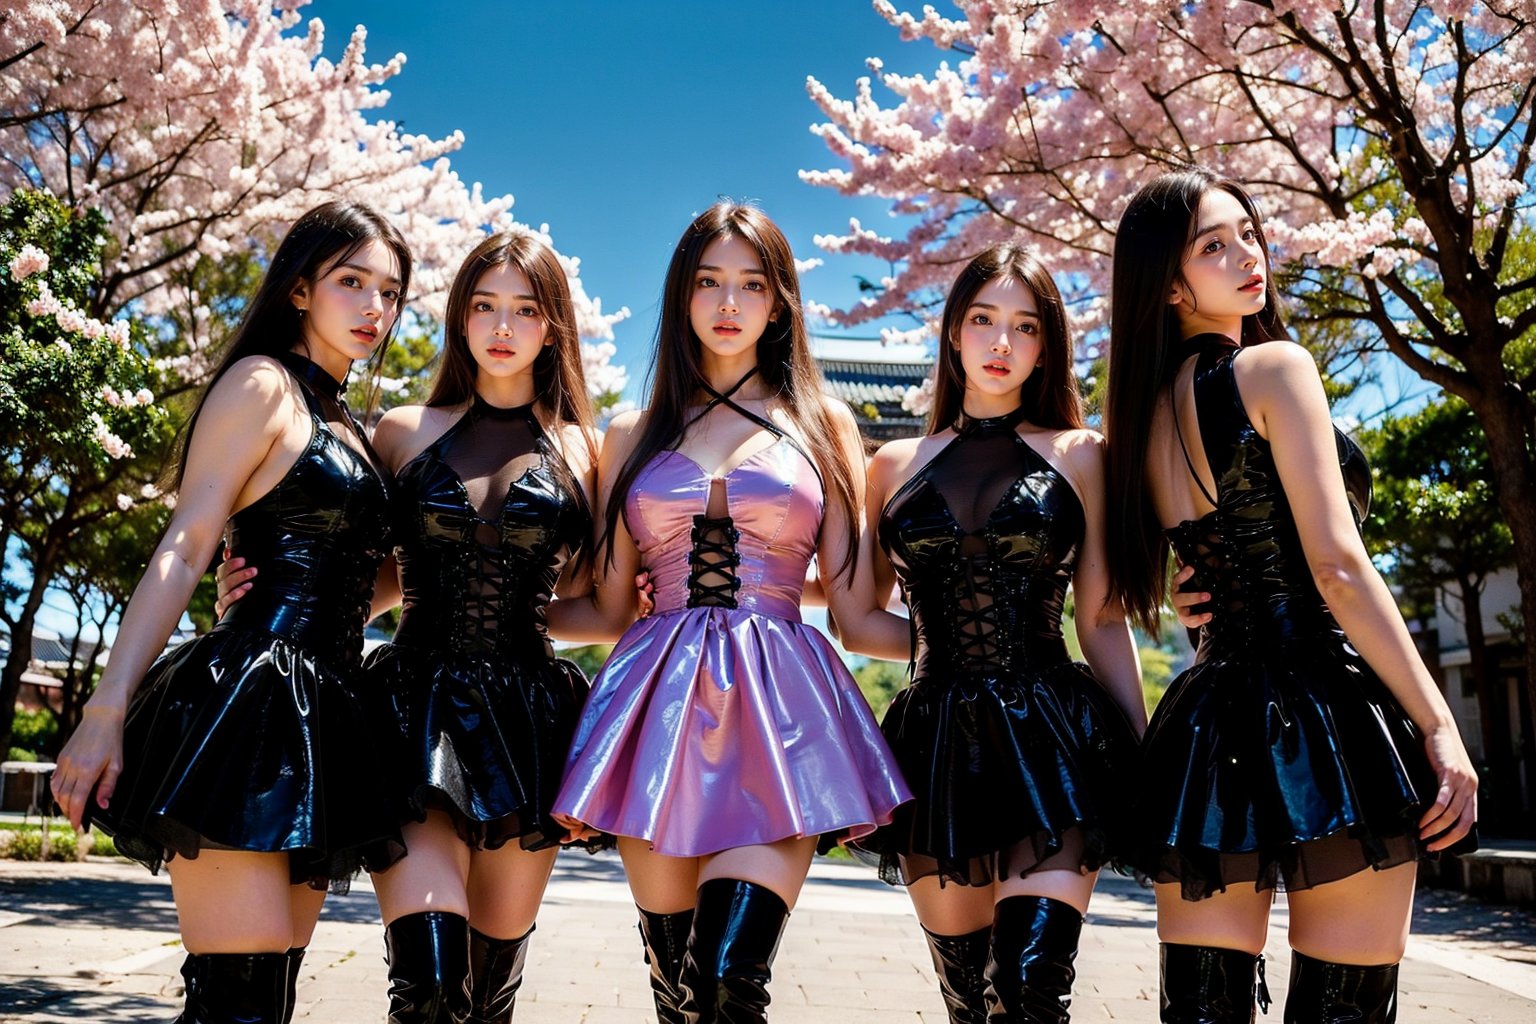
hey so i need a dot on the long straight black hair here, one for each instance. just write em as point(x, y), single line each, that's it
point(325, 236)
point(1145, 352)
point(1050, 394)
point(784, 363)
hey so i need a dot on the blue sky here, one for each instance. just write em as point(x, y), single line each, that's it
point(614, 123)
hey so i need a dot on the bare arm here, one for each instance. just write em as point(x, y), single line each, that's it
point(244, 416)
point(599, 612)
point(1102, 631)
point(1285, 398)
point(858, 604)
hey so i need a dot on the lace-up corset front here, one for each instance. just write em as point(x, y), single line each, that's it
point(489, 517)
point(984, 541)
point(1246, 552)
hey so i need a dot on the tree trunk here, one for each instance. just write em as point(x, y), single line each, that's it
point(21, 655)
point(1499, 795)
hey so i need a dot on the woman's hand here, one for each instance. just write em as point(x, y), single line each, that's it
point(1184, 603)
point(1454, 812)
point(234, 579)
point(645, 594)
point(91, 760)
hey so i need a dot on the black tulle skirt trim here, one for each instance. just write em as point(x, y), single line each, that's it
point(1282, 773)
point(1008, 772)
point(482, 740)
point(241, 740)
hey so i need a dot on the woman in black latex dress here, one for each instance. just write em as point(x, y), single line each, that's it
point(241, 759)
point(493, 478)
point(1019, 756)
point(1307, 748)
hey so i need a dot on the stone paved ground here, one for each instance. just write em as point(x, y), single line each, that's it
point(97, 941)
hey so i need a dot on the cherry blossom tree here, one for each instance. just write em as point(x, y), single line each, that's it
point(1390, 142)
point(199, 129)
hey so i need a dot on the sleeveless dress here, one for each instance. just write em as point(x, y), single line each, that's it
point(1009, 744)
point(480, 710)
point(251, 736)
point(1279, 759)
point(721, 720)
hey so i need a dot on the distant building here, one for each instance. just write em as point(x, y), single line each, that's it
point(1497, 724)
point(872, 378)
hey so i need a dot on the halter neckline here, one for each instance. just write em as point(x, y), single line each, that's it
point(965, 425)
point(308, 371)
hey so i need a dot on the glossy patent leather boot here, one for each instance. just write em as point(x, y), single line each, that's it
point(961, 964)
point(295, 961)
point(428, 968)
point(1328, 993)
point(495, 975)
point(235, 988)
point(666, 940)
point(736, 931)
point(1029, 968)
point(1208, 985)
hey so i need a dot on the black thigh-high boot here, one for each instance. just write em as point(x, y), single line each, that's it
point(495, 975)
point(1029, 968)
point(235, 988)
point(961, 963)
point(1328, 993)
point(666, 940)
point(1209, 985)
point(736, 931)
point(428, 968)
point(295, 961)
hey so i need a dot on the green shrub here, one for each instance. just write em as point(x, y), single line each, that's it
point(25, 842)
point(36, 730)
point(18, 754)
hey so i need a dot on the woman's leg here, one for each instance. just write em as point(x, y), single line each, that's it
point(1210, 949)
point(1346, 939)
point(1036, 926)
point(425, 906)
point(665, 889)
point(743, 904)
point(505, 889)
point(957, 922)
point(236, 911)
point(304, 904)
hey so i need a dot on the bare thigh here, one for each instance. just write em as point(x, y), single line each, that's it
point(506, 887)
point(1362, 919)
point(232, 901)
point(1235, 919)
point(1059, 877)
point(660, 884)
point(780, 866)
point(952, 909)
point(433, 875)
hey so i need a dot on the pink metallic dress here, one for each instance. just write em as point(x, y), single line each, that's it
point(723, 721)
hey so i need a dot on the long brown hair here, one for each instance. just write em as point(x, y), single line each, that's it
point(1145, 352)
point(325, 236)
point(1050, 393)
point(559, 384)
point(784, 364)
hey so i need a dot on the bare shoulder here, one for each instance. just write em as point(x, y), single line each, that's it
point(897, 461)
point(1273, 364)
point(1078, 454)
point(253, 390)
point(406, 431)
point(841, 414)
point(578, 445)
point(621, 436)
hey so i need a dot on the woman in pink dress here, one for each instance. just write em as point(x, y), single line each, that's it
point(724, 739)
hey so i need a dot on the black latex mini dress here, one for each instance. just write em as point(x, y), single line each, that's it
point(251, 737)
point(481, 709)
point(1010, 747)
point(1279, 759)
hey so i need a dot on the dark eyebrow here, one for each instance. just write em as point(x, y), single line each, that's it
point(365, 270)
point(988, 305)
point(1207, 229)
point(750, 270)
point(524, 298)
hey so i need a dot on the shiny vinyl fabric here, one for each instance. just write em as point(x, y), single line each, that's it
point(1009, 744)
point(1278, 759)
point(717, 727)
point(481, 709)
point(252, 737)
